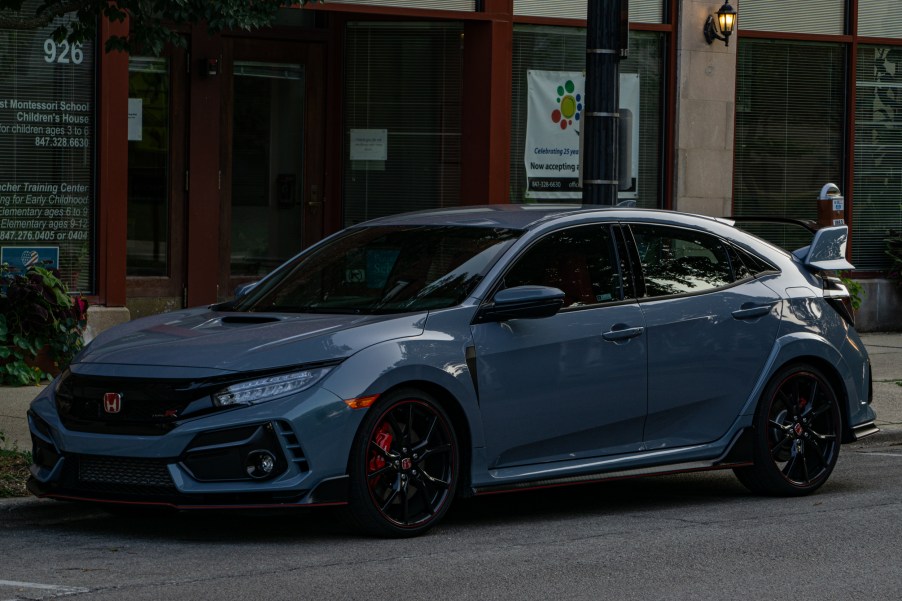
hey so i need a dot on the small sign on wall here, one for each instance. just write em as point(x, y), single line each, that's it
point(369, 144)
point(135, 119)
point(20, 258)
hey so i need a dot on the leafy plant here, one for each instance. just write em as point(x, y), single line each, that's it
point(856, 291)
point(37, 315)
point(894, 250)
point(153, 25)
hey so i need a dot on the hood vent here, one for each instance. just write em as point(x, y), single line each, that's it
point(249, 319)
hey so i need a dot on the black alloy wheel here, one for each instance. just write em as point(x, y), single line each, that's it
point(797, 434)
point(404, 466)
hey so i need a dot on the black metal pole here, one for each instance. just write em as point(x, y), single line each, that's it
point(601, 125)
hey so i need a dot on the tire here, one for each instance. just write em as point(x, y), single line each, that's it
point(797, 432)
point(404, 466)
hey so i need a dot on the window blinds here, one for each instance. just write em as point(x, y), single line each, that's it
point(403, 79)
point(877, 207)
point(789, 127)
point(826, 17)
point(879, 19)
point(641, 11)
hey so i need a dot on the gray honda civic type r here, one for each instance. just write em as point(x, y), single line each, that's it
point(409, 360)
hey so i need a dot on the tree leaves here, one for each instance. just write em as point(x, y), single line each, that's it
point(154, 23)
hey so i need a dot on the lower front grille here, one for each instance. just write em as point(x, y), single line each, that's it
point(124, 476)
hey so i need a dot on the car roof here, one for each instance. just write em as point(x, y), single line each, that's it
point(514, 216)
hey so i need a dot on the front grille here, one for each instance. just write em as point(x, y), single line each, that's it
point(124, 476)
point(144, 407)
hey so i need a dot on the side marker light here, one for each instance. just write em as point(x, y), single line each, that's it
point(361, 402)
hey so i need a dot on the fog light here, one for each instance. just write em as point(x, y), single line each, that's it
point(260, 464)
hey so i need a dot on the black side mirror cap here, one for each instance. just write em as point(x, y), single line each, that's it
point(522, 302)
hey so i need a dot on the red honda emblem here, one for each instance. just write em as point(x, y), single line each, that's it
point(406, 463)
point(112, 402)
point(799, 429)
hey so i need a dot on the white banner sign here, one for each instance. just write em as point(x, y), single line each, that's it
point(555, 108)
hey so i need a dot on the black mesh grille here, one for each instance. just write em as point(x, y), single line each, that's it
point(124, 476)
point(142, 407)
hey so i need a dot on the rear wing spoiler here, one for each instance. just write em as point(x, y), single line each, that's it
point(827, 251)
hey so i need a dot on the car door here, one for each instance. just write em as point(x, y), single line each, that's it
point(710, 328)
point(572, 385)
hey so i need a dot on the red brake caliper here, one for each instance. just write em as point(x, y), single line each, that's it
point(383, 439)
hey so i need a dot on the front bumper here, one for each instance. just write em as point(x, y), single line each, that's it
point(202, 462)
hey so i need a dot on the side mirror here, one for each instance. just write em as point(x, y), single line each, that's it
point(522, 302)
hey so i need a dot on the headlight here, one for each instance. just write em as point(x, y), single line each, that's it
point(268, 388)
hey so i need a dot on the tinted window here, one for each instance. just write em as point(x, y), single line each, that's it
point(383, 270)
point(748, 265)
point(679, 261)
point(579, 261)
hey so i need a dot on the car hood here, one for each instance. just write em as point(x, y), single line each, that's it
point(222, 341)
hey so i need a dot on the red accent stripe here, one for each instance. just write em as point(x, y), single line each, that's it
point(189, 507)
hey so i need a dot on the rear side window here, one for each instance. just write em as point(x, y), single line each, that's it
point(680, 261)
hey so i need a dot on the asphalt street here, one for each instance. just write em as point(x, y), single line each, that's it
point(684, 537)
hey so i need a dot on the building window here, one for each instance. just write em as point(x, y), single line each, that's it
point(47, 145)
point(877, 212)
point(402, 118)
point(147, 253)
point(564, 49)
point(790, 125)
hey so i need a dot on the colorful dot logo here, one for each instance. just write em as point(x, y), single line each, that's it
point(569, 107)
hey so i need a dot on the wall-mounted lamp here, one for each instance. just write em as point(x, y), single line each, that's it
point(725, 23)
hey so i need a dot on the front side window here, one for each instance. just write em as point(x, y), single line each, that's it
point(579, 261)
point(678, 261)
point(388, 269)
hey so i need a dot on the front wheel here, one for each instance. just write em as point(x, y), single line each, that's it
point(796, 434)
point(404, 466)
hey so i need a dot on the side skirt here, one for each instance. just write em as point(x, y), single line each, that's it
point(737, 455)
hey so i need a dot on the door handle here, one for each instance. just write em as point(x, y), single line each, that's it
point(622, 334)
point(751, 311)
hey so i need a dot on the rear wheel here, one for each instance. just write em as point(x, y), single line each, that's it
point(404, 466)
point(797, 434)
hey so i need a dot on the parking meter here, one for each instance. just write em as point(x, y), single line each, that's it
point(830, 206)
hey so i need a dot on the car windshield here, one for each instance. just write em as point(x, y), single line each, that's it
point(383, 269)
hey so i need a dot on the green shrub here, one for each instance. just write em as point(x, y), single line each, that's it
point(37, 315)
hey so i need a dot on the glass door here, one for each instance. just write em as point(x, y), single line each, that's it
point(156, 185)
point(272, 181)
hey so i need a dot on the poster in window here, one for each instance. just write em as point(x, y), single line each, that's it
point(555, 107)
point(47, 144)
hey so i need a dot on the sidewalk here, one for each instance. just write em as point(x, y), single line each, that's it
point(885, 351)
